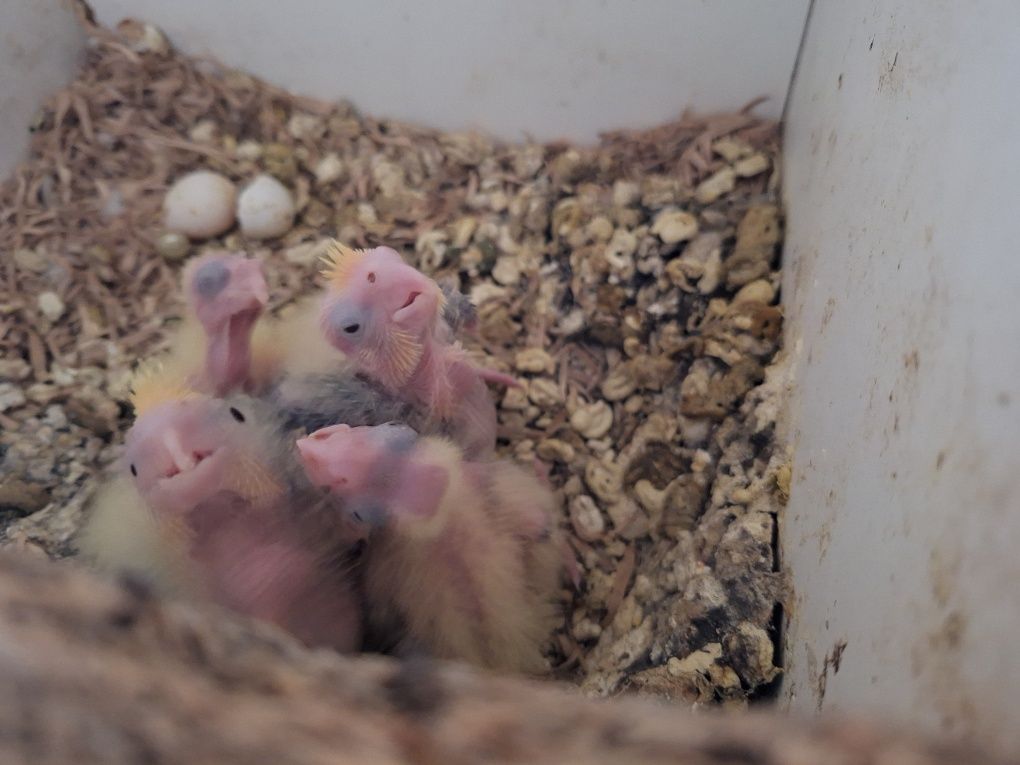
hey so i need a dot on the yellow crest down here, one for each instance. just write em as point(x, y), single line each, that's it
point(152, 386)
point(339, 261)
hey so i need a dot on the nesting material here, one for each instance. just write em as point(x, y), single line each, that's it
point(604, 277)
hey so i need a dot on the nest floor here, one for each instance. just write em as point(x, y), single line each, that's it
point(633, 286)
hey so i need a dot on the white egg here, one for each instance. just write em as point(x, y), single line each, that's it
point(265, 208)
point(200, 205)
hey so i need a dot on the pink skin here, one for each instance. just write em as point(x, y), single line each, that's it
point(383, 299)
point(340, 458)
point(253, 566)
point(382, 294)
point(496, 377)
point(542, 471)
point(178, 453)
point(228, 294)
point(573, 570)
point(249, 554)
point(376, 464)
point(261, 576)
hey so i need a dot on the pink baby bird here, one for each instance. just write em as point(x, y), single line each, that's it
point(387, 317)
point(220, 479)
point(227, 294)
point(446, 563)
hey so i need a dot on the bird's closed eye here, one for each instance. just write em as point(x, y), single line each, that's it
point(134, 471)
point(236, 414)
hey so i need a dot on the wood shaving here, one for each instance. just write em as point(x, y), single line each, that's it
point(605, 275)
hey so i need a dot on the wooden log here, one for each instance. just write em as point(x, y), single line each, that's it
point(93, 671)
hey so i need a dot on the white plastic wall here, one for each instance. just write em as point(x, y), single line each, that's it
point(902, 288)
point(549, 68)
point(40, 46)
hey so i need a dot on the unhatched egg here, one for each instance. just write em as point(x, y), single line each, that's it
point(265, 208)
point(200, 205)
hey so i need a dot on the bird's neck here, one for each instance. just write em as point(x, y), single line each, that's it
point(228, 354)
point(430, 382)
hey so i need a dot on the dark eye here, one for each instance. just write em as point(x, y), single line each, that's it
point(236, 414)
point(350, 329)
point(371, 277)
point(134, 471)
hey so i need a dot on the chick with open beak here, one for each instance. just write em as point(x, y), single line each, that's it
point(232, 512)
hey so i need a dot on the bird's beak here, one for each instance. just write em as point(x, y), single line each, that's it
point(249, 279)
point(183, 459)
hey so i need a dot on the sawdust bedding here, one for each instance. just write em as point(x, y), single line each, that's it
point(631, 285)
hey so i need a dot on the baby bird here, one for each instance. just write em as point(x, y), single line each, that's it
point(216, 346)
point(387, 318)
point(452, 564)
point(312, 400)
point(314, 388)
point(227, 345)
point(211, 490)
